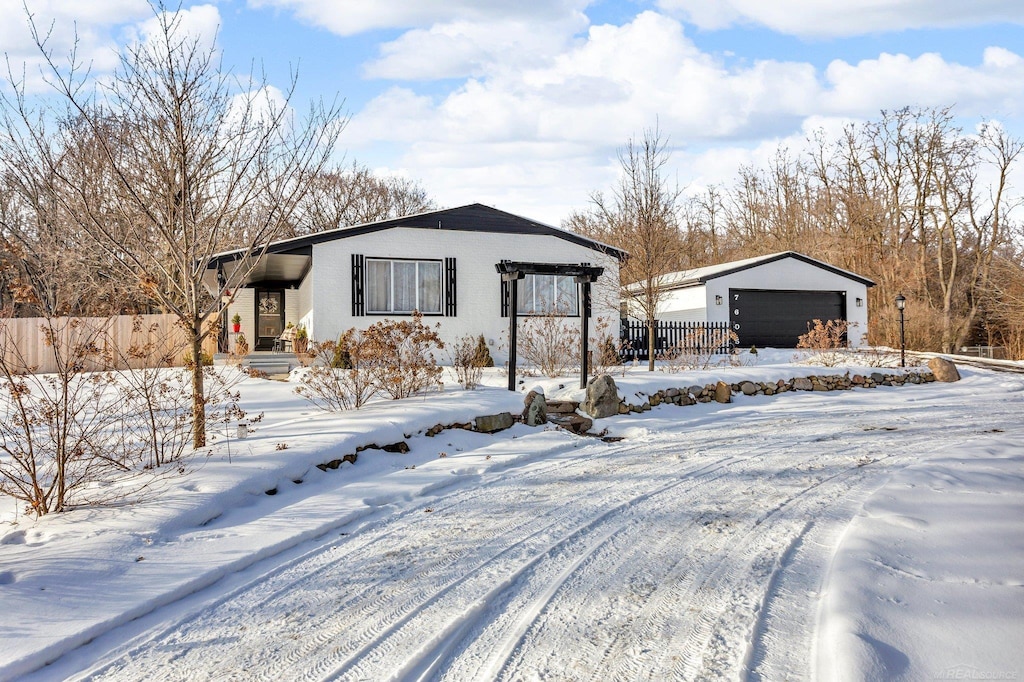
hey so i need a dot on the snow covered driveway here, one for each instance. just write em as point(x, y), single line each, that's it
point(696, 548)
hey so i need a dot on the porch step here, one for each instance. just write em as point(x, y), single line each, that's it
point(271, 363)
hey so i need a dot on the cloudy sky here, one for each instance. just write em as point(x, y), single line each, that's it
point(522, 104)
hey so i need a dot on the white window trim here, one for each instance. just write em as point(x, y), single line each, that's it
point(419, 291)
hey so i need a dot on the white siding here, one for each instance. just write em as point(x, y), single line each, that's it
point(478, 284)
point(291, 306)
point(304, 314)
point(244, 304)
point(684, 305)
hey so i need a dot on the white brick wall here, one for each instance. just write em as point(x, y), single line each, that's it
point(478, 284)
point(245, 305)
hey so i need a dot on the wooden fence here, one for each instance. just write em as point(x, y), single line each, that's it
point(137, 341)
point(689, 337)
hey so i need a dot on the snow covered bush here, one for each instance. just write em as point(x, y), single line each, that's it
point(95, 430)
point(157, 408)
point(605, 349)
point(58, 433)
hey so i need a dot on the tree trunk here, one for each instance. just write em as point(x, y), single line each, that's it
point(198, 393)
point(651, 326)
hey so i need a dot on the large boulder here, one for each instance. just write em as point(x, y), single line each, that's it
point(535, 412)
point(494, 422)
point(602, 397)
point(944, 370)
point(723, 393)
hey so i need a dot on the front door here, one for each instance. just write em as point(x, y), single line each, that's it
point(269, 317)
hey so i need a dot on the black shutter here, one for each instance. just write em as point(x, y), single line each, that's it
point(505, 295)
point(450, 308)
point(358, 286)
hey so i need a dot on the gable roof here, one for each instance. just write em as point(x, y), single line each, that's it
point(698, 276)
point(469, 218)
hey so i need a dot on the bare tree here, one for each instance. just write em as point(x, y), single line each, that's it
point(910, 200)
point(198, 161)
point(351, 196)
point(991, 231)
point(641, 216)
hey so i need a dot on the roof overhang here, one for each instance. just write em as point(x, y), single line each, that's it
point(272, 267)
point(582, 272)
point(471, 218)
point(701, 276)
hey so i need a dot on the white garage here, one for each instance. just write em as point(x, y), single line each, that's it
point(769, 300)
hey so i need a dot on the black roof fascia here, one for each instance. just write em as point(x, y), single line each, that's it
point(471, 218)
point(778, 257)
point(590, 272)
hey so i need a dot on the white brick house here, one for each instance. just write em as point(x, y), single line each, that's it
point(441, 263)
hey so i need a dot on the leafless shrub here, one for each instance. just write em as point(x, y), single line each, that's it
point(157, 414)
point(96, 430)
point(605, 350)
point(825, 341)
point(877, 357)
point(59, 431)
point(699, 350)
point(339, 376)
point(400, 357)
point(469, 355)
point(548, 343)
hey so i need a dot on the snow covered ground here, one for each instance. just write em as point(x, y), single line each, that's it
point(866, 534)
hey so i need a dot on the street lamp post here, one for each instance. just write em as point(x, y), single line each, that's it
point(901, 303)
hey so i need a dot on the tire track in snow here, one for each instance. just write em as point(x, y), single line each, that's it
point(283, 582)
point(709, 599)
point(649, 620)
point(255, 597)
point(487, 651)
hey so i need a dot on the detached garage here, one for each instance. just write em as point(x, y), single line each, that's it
point(769, 300)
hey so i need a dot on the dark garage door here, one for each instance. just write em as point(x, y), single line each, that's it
point(778, 318)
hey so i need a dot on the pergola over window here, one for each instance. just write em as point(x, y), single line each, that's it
point(584, 274)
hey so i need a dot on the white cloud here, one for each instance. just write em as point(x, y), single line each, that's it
point(199, 23)
point(61, 18)
point(546, 135)
point(819, 18)
point(995, 86)
point(462, 48)
point(349, 17)
point(96, 30)
point(61, 23)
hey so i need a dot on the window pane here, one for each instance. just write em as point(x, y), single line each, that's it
point(525, 305)
point(567, 291)
point(545, 294)
point(430, 287)
point(378, 286)
point(405, 286)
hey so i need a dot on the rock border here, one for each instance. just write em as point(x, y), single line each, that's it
point(722, 392)
point(564, 413)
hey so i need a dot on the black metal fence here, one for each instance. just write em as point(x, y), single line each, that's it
point(686, 337)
